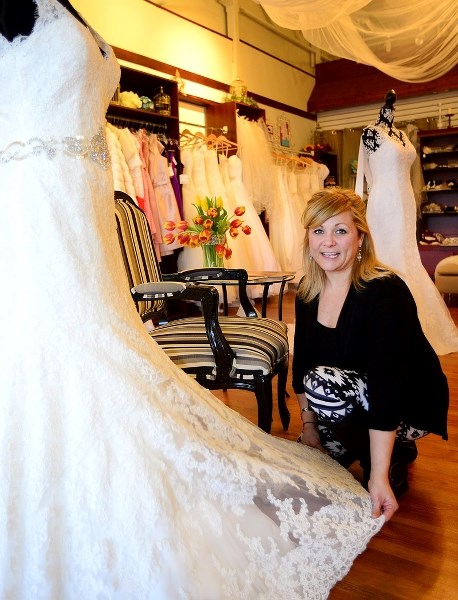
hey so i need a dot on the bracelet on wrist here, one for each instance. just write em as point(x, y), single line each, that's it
point(307, 410)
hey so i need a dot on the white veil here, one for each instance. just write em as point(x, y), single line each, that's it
point(410, 41)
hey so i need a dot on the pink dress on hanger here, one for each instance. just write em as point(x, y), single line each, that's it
point(149, 205)
point(166, 201)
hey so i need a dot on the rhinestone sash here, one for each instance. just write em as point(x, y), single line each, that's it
point(94, 148)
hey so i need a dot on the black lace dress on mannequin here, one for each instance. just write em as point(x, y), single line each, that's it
point(385, 158)
point(371, 136)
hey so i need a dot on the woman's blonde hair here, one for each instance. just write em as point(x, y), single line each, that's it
point(322, 206)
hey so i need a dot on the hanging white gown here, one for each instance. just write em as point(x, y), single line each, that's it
point(188, 258)
point(285, 229)
point(258, 249)
point(256, 155)
point(120, 476)
point(391, 215)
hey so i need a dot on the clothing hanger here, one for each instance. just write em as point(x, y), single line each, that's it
point(192, 139)
point(223, 139)
point(211, 140)
point(220, 143)
point(186, 133)
point(304, 161)
point(282, 158)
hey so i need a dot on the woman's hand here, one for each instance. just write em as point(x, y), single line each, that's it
point(383, 499)
point(310, 436)
point(382, 496)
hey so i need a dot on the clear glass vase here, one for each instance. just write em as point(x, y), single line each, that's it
point(212, 258)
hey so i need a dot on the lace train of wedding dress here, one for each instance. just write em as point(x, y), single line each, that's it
point(391, 215)
point(120, 476)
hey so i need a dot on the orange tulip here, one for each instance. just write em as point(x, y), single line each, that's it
point(236, 223)
point(168, 238)
point(219, 249)
point(233, 232)
point(246, 229)
point(169, 225)
point(183, 237)
point(193, 240)
point(208, 224)
point(198, 220)
point(205, 235)
point(182, 225)
point(239, 211)
point(227, 252)
point(212, 212)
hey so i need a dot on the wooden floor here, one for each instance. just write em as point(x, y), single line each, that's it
point(415, 556)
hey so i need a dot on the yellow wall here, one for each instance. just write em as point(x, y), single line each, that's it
point(145, 29)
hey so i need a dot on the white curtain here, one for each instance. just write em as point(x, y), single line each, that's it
point(410, 40)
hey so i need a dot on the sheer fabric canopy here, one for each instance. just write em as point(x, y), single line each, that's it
point(410, 40)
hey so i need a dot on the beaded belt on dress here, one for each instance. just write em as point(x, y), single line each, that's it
point(80, 146)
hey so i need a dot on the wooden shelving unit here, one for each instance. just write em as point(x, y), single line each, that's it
point(439, 161)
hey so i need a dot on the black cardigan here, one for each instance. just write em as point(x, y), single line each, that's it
point(378, 333)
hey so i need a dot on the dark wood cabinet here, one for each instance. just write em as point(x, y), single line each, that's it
point(145, 84)
point(224, 115)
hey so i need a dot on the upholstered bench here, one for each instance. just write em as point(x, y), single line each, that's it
point(446, 275)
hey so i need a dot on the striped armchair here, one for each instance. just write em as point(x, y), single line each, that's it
point(243, 352)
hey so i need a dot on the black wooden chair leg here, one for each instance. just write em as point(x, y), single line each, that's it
point(265, 403)
point(285, 416)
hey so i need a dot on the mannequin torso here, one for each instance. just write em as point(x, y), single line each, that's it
point(371, 136)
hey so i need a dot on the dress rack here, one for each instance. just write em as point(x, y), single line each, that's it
point(139, 124)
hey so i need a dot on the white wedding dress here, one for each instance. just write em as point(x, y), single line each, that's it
point(391, 215)
point(120, 476)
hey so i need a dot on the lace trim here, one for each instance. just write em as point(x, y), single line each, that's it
point(95, 148)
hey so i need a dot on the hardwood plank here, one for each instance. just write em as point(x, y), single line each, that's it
point(415, 554)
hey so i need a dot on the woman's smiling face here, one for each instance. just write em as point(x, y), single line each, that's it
point(335, 243)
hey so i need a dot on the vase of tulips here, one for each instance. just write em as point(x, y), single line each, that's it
point(214, 250)
point(210, 229)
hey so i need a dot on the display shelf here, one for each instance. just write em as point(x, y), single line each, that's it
point(440, 190)
point(146, 84)
point(437, 213)
point(139, 115)
point(439, 162)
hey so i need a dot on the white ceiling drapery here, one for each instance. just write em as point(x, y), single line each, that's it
point(410, 40)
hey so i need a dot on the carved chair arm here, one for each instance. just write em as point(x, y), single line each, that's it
point(209, 299)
